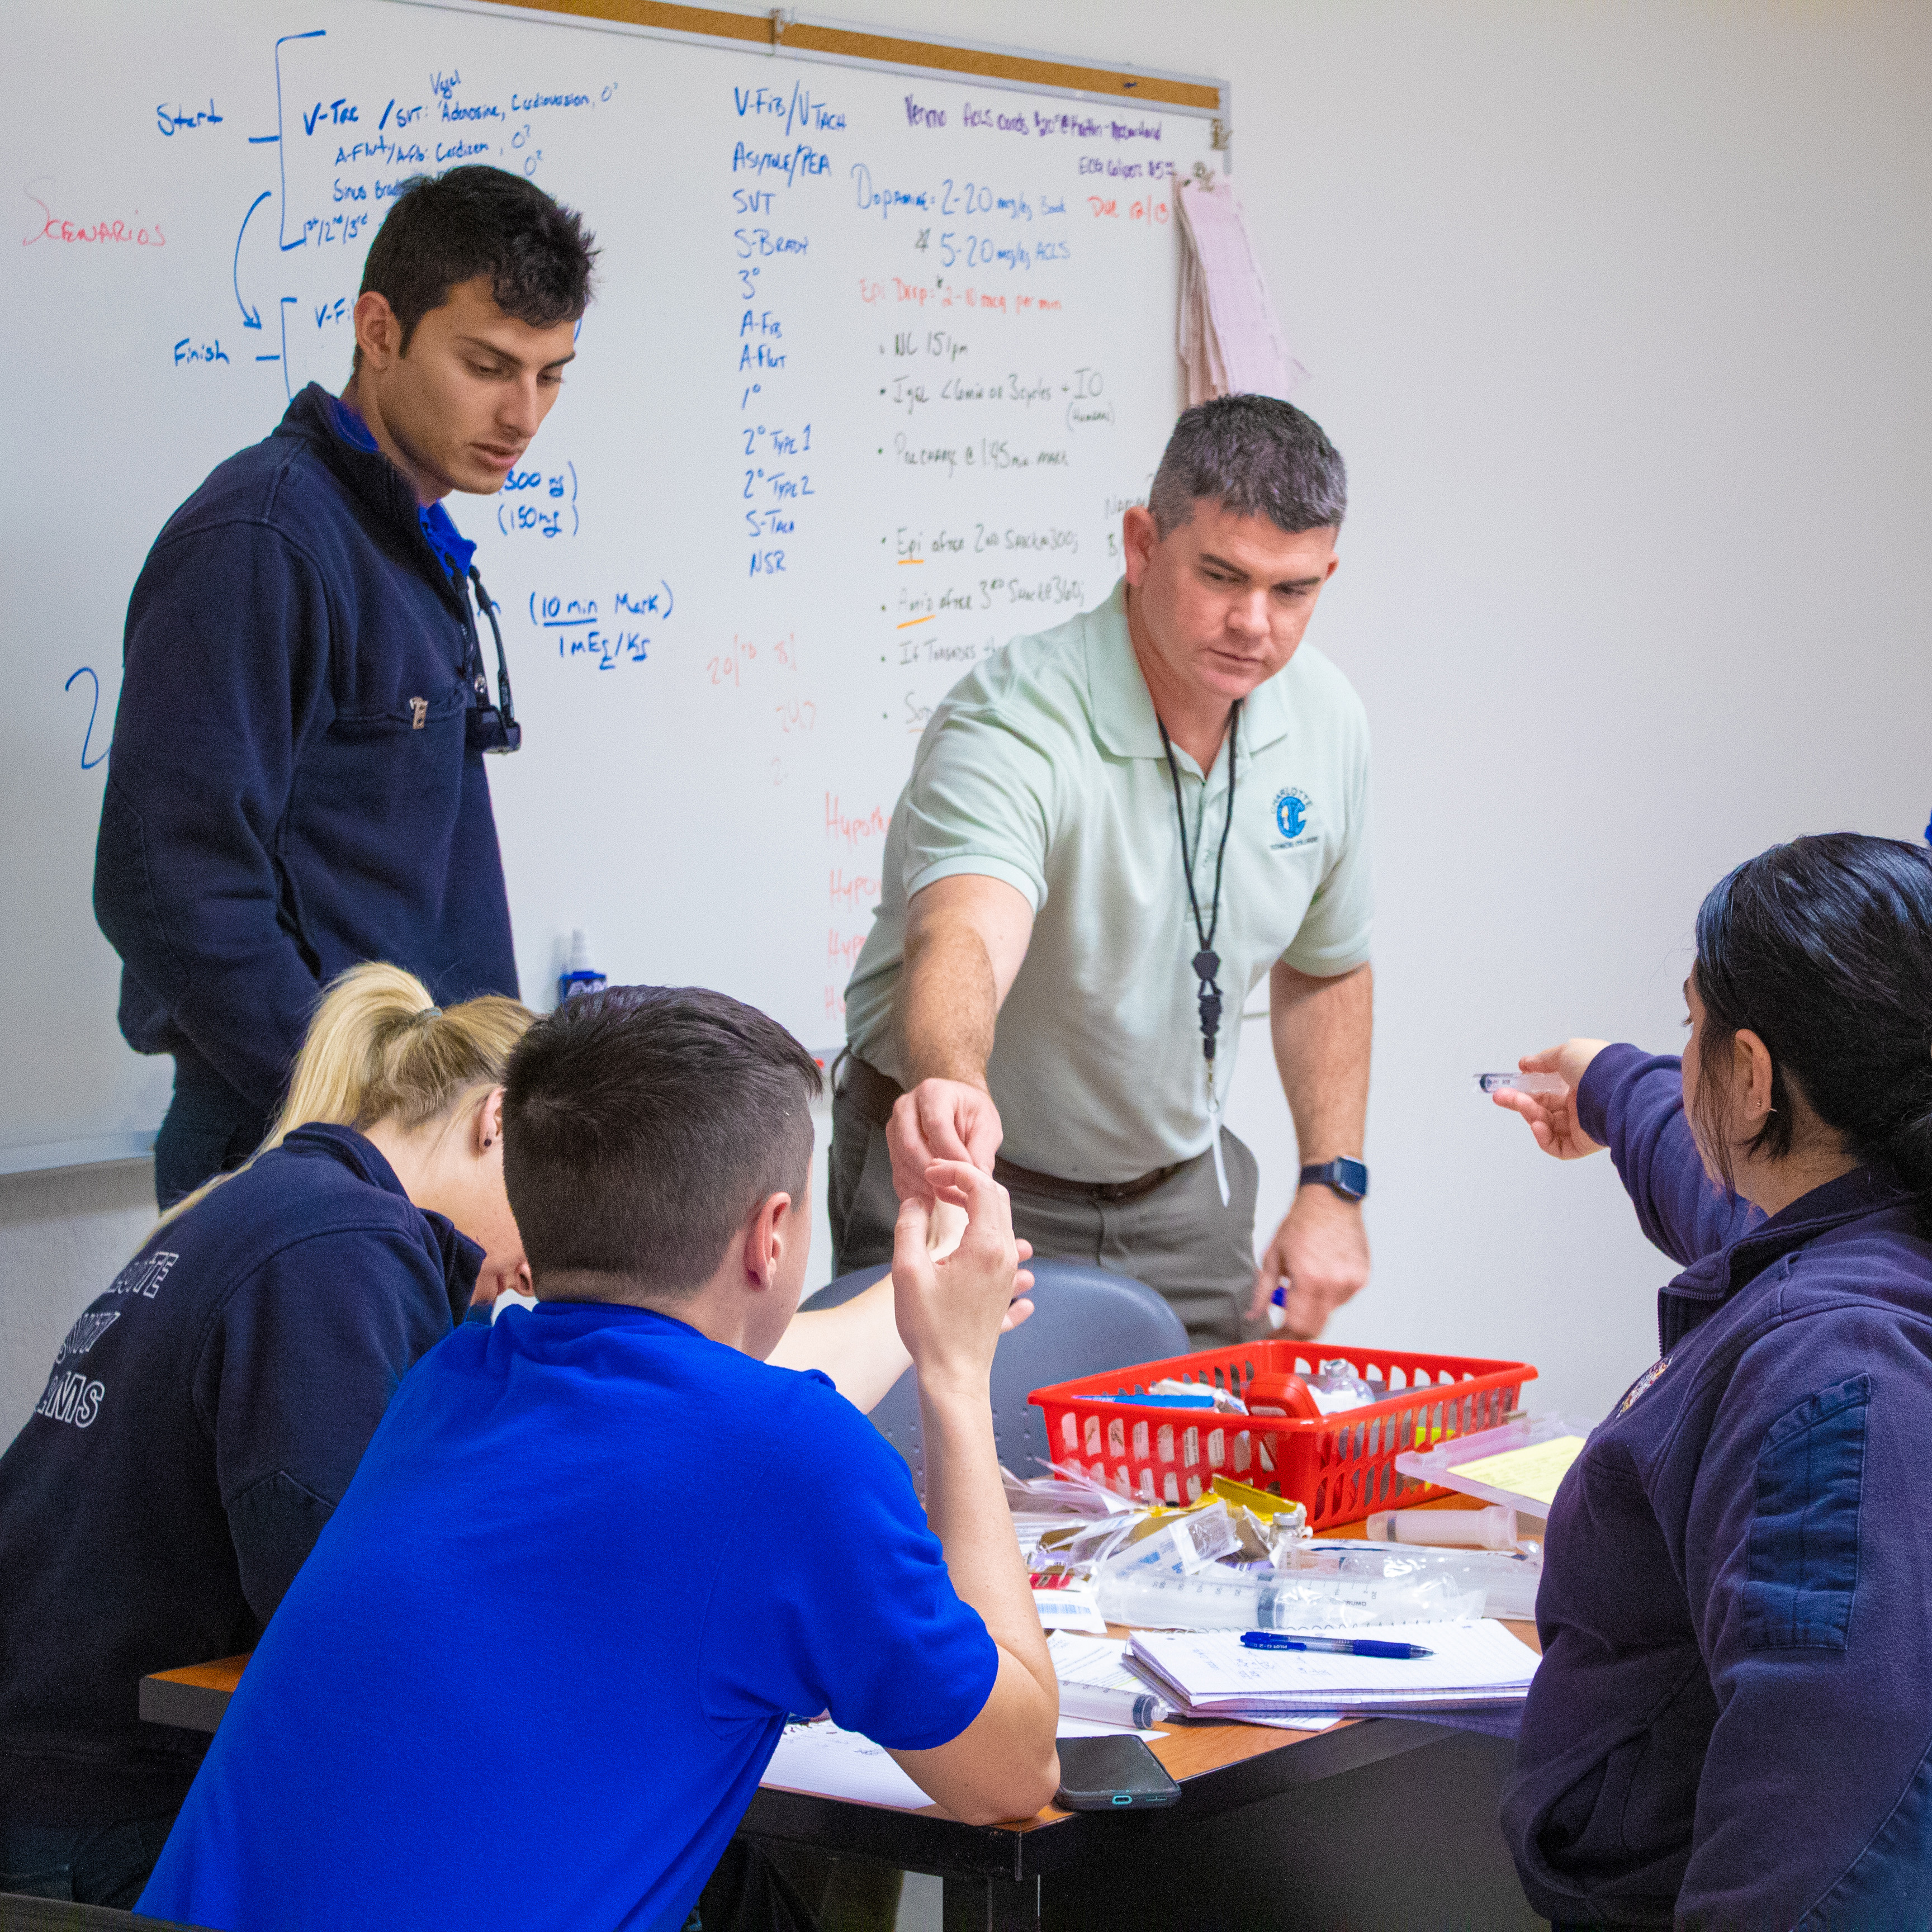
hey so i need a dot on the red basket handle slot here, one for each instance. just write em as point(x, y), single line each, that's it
point(1282, 1395)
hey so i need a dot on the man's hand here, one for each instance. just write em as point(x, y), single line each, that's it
point(1321, 1251)
point(1552, 1117)
point(951, 1313)
point(941, 1120)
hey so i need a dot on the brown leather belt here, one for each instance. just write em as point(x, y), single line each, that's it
point(874, 1096)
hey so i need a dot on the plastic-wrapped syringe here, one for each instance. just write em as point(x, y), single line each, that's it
point(1146, 1586)
point(1504, 1582)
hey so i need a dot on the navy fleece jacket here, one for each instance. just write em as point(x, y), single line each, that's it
point(290, 788)
point(1731, 1726)
point(202, 1421)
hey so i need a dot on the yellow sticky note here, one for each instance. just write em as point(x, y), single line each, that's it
point(1533, 1472)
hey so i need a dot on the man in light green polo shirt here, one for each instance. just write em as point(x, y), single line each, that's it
point(1043, 995)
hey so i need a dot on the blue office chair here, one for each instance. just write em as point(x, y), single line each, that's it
point(1084, 1321)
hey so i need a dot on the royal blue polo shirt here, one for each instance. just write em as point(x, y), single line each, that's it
point(541, 1655)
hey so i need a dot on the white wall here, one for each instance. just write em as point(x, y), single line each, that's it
point(1617, 313)
point(63, 1237)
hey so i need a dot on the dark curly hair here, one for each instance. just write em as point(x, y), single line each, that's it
point(450, 228)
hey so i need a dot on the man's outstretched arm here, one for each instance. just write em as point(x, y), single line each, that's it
point(966, 937)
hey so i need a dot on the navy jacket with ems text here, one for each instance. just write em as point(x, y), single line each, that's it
point(290, 788)
point(1731, 1726)
point(202, 1419)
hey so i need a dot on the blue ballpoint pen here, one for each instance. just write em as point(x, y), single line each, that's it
point(1348, 1646)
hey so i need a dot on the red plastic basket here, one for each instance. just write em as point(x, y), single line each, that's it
point(1341, 1467)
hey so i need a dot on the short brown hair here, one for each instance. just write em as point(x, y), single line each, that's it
point(643, 1125)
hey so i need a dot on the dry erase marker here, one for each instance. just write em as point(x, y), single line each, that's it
point(1521, 1083)
point(1347, 1646)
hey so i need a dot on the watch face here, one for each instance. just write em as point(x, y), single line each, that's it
point(1349, 1178)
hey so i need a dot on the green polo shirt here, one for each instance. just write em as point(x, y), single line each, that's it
point(1043, 767)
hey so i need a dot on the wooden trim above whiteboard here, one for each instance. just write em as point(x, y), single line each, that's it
point(804, 36)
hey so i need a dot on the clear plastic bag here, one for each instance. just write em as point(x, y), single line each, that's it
point(1145, 1584)
point(1505, 1580)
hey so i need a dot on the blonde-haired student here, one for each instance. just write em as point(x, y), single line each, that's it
point(204, 1415)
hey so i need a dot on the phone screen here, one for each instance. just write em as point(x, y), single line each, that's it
point(1111, 1774)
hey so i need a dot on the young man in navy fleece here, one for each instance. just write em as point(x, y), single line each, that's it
point(297, 783)
point(684, 1544)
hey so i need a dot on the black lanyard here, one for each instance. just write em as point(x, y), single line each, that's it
point(1207, 962)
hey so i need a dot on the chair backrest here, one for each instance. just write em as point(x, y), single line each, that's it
point(1084, 1321)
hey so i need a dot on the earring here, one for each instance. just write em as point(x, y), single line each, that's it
point(487, 1141)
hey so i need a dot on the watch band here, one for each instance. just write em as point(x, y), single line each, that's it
point(1348, 1178)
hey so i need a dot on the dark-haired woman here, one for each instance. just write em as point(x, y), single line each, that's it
point(1732, 1726)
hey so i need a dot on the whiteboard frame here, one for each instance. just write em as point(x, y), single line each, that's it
point(562, 13)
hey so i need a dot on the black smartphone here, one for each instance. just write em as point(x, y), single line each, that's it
point(1111, 1774)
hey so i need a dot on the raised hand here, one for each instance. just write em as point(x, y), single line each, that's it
point(1551, 1117)
point(951, 1313)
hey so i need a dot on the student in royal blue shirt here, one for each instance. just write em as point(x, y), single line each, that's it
point(204, 1416)
point(1731, 1729)
point(681, 1543)
point(297, 779)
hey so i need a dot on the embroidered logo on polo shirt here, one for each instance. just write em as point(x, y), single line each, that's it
point(1643, 1382)
point(1294, 809)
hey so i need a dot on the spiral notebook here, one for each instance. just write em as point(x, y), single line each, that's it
point(1212, 1674)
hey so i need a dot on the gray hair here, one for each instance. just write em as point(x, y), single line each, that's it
point(1257, 457)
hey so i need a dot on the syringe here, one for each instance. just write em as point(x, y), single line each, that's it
point(1521, 1083)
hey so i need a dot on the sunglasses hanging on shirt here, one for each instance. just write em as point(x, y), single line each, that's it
point(1207, 963)
point(491, 728)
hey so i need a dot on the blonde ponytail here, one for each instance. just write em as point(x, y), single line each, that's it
point(379, 1048)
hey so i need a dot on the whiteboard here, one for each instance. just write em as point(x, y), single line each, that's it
point(876, 360)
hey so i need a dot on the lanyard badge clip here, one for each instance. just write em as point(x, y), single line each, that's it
point(1207, 964)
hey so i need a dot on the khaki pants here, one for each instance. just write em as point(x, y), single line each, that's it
point(1178, 1238)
